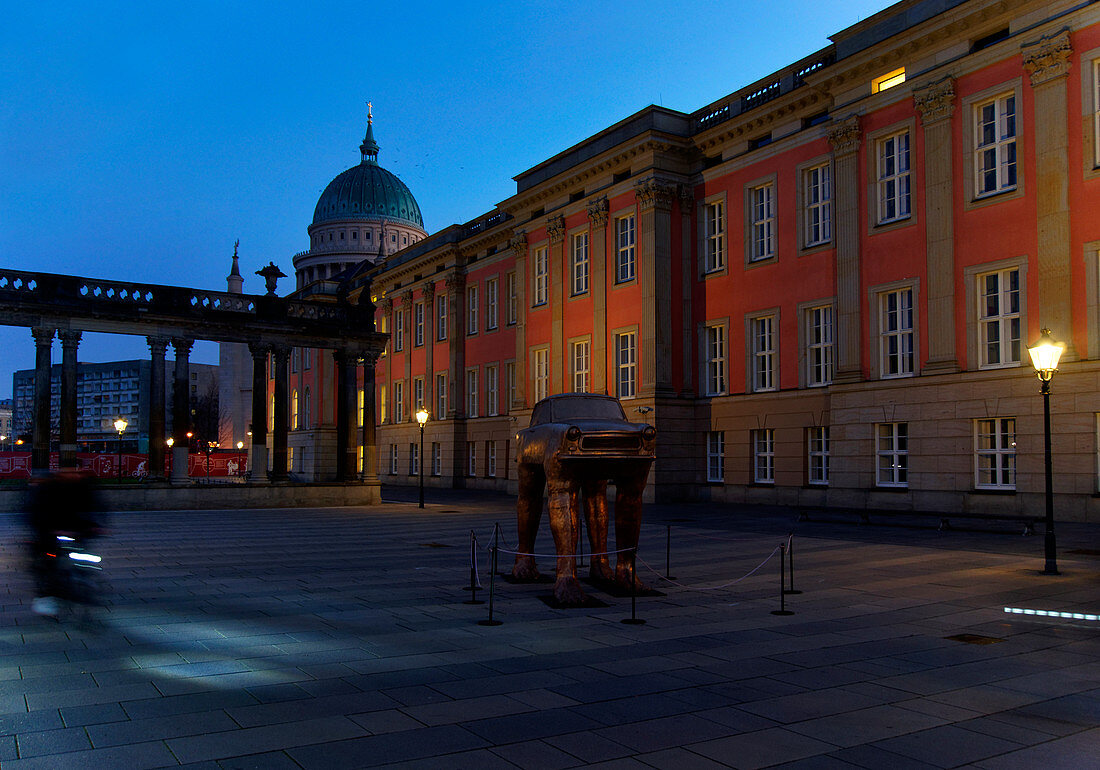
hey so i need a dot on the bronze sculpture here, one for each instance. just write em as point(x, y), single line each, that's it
point(575, 444)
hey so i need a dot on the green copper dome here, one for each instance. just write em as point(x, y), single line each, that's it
point(367, 191)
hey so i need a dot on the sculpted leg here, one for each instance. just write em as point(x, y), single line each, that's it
point(532, 482)
point(628, 524)
point(565, 524)
point(595, 519)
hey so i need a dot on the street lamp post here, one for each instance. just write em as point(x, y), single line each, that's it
point(3, 438)
point(120, 426)
point(170, 441)
point(421, 417)
point(1044, 357)
point(240, 460)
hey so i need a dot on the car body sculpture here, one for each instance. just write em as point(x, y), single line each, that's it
point(575, 444)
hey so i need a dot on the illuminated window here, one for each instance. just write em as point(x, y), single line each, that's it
point(359, 403)
point(995, 453)
point(294, 410)
point(889, 80)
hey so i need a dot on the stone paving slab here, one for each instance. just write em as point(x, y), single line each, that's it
point(340, 637)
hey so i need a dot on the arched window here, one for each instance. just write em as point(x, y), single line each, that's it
point(294, 410)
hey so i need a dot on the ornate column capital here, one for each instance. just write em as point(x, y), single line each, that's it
point(455, 283)
point(43, 335)
point(687, 198)
point(597, 212)
point(555, 228)
point(182, 346)
point(518, 243)
point(257, 349)
point(385, 305)
point(158, 345)
point(935, 101)
point(1048, 57)
point(846, 136)
point(70, 338)
point(428, 291)
point(655, 193)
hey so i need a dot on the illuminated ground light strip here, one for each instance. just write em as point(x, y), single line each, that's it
point(1052, 614)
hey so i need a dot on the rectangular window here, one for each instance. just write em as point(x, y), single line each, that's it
point(441, 317)
point(307, 359)
point(399, 329)
point(817, 460)
point(763, 353)
point(889, 80)
point(471, 392)
point(892, 451)
point(383, 403)
point(492, 390)
point(491, 459)
point(896, 333)
point(359, 407)
point(418, 324)
point(510, 376)
point(999, 318)
point(716, 456)
point(624, 249)
point(995, 145)
point(626, 365)
point(295, 359)
point(398, 401)
point(762, 222)
point(893, 177)
point(817, 205)
point(471, 310)
point(437, 459)
point(763, 456)
point(716, 360)
point(440, 395)
point(579, 264)
point(393, 459)
point(995, 453)
point(414, 459)
point(418, 393)
point(541, 274)
point(714, 235)
point(819, 346)
point(580, 365)
point(471, 458)
point(491, 303)
point(512, 297)
point(541, 374)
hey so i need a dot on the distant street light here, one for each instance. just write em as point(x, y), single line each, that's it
point(170, 441)
point(421, 417)
point(1044, 357)
point(210, 447)
point(240, 458)
point(120, 426)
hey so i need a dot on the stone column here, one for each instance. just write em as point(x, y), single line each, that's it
point(40, 439)
point(279, 437)
point(845, 139)
point(654, 249)
point(519, 248)
point(560, 273)
point(1047, 61)
point(597, 221)
point(370, 420)
point(427, 295)
point(70, 341)
point(258, 450)
point(181, 410)
point(345, 409)
point(935, 104)
point(158, 346)
point(687, 279)
point(456, 376)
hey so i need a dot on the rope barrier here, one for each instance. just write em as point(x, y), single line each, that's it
point(753, 571)
point(550, 555)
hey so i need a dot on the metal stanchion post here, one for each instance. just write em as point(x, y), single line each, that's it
point(668, 554)
point(492, 581)
point(634, 620)
point(782, 583)
point(472, 588)
point(790, 563)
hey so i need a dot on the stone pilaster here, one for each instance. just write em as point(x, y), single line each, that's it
point(519, 249)
point(558, 262)
point(687, 279)
point(427, 294)
point(598, 268)
point(845, 139)
point(407, 314)
point(1047, 61)
point(456, 375)
point(654, 252)
point(935, 104)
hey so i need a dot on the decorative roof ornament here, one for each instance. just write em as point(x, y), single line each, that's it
point(236, 271)
point(271, 274)
point(369, 147)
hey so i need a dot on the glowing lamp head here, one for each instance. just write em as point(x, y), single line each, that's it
point(421, 416)
point(240, 445)
point(1045, 354)
point(170, 442)
point(120, 425)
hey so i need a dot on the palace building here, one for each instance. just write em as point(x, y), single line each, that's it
point(820, 288)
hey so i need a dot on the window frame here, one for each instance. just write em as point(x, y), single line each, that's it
point(441, 318)
point(881, 332)
point(472, 387)
point(418, 324)
point(713, 235)
point(818, 344)
point(757, 356)
point(808, 206)
point(626, 367)
point(540, 373)
point(1003, 449)
point(716, 456)
point(398, 401)
point(715, 357)
point(580, 364)
point(817, 456)
point(492, 300)
point(897, 451)
point(626, 253)
point(579, 263)
point(1003, 146)
point(399, 329)
point(761, 217)
point(492, 390)
point(511, 289)
point(540, 275)
point(972, 199)
point(471, 310)
point(440, 395)
point(897, 177)
point(763, 456)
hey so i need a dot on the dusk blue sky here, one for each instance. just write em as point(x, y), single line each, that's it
point(138, 142)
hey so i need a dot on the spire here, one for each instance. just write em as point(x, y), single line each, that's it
point(235, 280)
point(369, 147)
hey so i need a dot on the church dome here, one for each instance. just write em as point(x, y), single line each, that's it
point(368, 191)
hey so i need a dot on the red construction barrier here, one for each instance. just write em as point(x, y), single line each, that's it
point(17, 465)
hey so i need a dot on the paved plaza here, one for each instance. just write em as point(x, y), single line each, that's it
point(339, 638)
